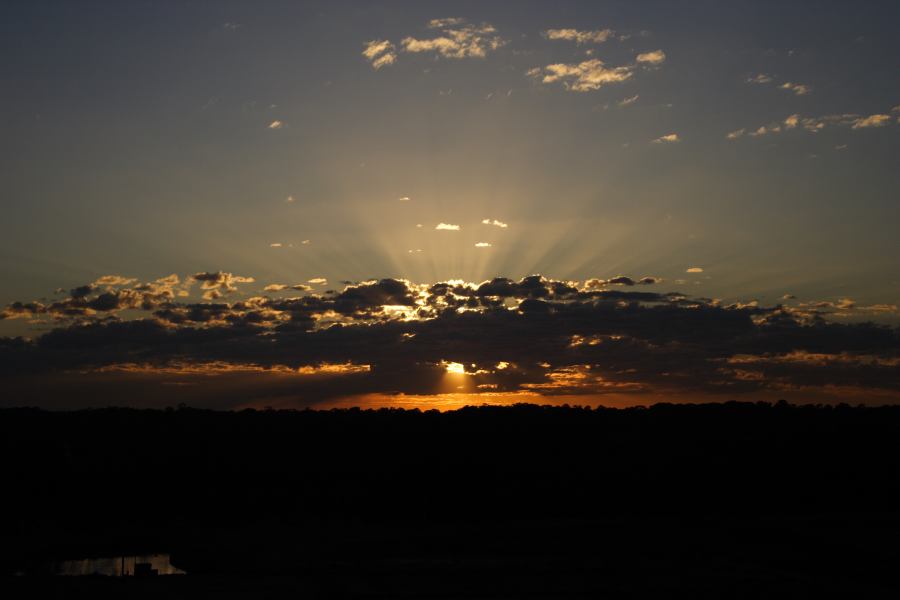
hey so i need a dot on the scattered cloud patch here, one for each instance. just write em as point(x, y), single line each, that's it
point(580, 37)
point(482, 245)
point(495, 223)
point(694, 270)
point(671, 138)
point(798, 88)
point(817, 124)
point(458, 39)
point(446, 227)
point(871, 121)
point(586, 76)
point(760, 78)
point(318, 281)
point(379, 53)
point(276, 124)
point(656, 57)
point(219, 283)
point(628, 101)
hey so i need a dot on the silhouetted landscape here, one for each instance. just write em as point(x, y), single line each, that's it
point(718, 500)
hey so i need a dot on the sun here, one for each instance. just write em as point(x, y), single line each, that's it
point(455, 368)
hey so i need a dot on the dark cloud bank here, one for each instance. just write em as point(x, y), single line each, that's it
point(150, 343)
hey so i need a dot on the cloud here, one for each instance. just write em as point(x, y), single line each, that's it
point(289, 200)
point(628, 101)
point(115, 280)
point(318, 281)
point(670, 138)
point(694, 270)
point(482, 245)
point(585, 76)
point(871, 121)
point(276, 124)
point(404, 199)
point(817, 124)
point(379, 53)
point(458, 40)
point(446, 22)
point(495, 223)
point(275, 245)
point(275, 287)
point(219, 283)
point(578, 36)
point(733, 135)
point(760, 78)
point(656, 57)
point(391, 336)
point(446, 227)
point(798, 88)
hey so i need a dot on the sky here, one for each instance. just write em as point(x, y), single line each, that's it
point(296, 204)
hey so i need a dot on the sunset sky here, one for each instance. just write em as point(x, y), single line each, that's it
point(293, 204)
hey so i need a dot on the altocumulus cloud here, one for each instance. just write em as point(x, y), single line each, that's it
point(392, 336)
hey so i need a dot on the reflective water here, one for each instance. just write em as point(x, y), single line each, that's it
point(113, 566)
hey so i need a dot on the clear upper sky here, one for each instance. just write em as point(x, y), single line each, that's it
point(137, 139)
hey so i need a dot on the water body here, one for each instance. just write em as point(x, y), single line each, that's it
point(113, 566)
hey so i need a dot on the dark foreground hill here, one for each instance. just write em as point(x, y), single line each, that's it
point(720, 500)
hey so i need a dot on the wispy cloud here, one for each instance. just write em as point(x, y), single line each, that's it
point(276, 124)
point(871, 121)
point(816, 124)
point(446, 227)
point(798, 88)
point(586, 76)
point(318, 281)
point(670, 138)
point(628, 101)
point(379, 53)
point(694, 270)
point(482, 245)
point(656, 57)
point(458, 39)
point(760, 78)
point(495, 223)
point(580, 37)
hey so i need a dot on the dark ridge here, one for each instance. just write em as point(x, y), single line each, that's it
point(733, 498)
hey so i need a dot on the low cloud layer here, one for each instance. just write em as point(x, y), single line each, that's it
point(537, 336)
